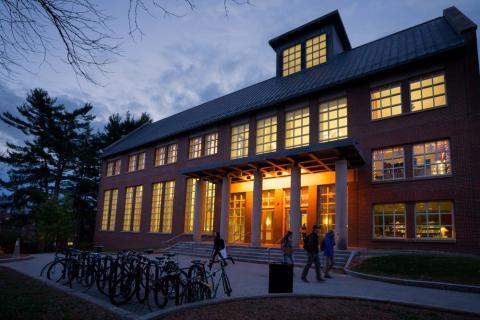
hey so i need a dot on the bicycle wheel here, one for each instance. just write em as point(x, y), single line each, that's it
point(122, 290)
point(197, 272)
point(56, 271)
point(160, 295)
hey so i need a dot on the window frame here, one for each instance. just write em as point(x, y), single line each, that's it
point(203, 145)
point(246, 141)
point(337, 102)
point(374, 225)
point(454, 234)
point(116, 164)
point(381, 88)
point(287, 71)
point(421, 78)
point(136, 156)
point(307, 135)
point(424, 158)
point(313, 59)
point(273, 134)
point(108, 222)
point(167, 154)
point(383, 167)
point(161, 205)
point(132, 210)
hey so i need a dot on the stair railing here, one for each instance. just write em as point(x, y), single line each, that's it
point(175, 237)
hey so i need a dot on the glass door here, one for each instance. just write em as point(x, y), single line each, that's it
point(326, 207)
point(236, 218)
point(268, 210)
point(303, 208)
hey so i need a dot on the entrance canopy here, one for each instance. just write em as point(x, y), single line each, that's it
point(319, 157)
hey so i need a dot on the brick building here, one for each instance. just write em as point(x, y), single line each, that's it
point(377, 142)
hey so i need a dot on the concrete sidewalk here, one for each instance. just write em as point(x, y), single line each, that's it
point(252, 280)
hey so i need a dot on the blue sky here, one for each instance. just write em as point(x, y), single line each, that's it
point(181, 62)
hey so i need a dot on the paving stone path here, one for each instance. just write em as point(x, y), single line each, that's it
point(249, 279)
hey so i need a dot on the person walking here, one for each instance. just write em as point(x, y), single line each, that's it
point(287, 248)
point(218, 247)
point(311, 246)
point(328, 244)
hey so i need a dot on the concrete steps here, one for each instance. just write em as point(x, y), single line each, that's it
point(251, 254)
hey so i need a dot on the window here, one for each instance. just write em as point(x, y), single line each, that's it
point(162, 207)
point(316, 50)
point(113, 167)
point(333, 120)
point(434, 220)
point(136, 162)
point(239, 146)
point(166, 155)
point(195, 148)
point(428, 92)
point(266, 135)
point(388, 164)
point(109, 209)
point(326, 207)
point(209, 212)
point(236, 217)
point(160, 156)
point(297, 128)
point(303, 206)
point(386, 102)
point(389, 220)
point(133, 208)
point(211, 144)
point(431, 159)
point(292, 60)
point(190, 204)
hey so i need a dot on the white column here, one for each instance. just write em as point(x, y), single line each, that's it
point(257, 208)
point(295, 212)
point(225, 207)
point(198, 210)
point(341, 204)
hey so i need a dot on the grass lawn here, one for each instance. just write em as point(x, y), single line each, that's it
point(311, 308)
point(22, 297)
point(443, 268)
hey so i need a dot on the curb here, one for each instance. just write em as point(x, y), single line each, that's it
point(16, 259)
point(415, 283)
point(162, 314)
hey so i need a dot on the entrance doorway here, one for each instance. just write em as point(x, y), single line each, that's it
point(268, 212)
point(236, 218)
point(326, 207)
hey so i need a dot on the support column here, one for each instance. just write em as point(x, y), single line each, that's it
point(295, 212)
point(341, 204)
point(257, 208)
point(225, 208)
point(198, 210)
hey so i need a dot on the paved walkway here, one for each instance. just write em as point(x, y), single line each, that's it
point(252, 280)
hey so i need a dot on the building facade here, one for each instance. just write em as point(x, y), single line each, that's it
point(377, 142)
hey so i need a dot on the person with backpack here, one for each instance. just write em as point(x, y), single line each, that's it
point(287, 248)
point(327, 247)
point(311, 246)
point(218, 247)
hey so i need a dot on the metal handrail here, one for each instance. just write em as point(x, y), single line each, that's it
point(175, 237)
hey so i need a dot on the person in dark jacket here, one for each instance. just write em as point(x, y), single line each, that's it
point(218, 246)
point(311, 246)
point(329, 243)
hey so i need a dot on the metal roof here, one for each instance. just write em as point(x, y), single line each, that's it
point(426, 39)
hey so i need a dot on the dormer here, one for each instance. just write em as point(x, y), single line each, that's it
point(310, 45)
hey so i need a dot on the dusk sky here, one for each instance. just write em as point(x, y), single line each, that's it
point(181, 62)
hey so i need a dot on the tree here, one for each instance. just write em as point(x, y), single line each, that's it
point(81, 27)
point(54, 221)
point(117, 127)
point(41, 167)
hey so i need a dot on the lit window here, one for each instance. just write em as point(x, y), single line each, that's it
point(136, 162)
point(428, 92)
point(190, 204)
point(326, 208)
point(431, 159)
point(266, 135)
point(113, 167)
point(239, 146)
point(388, 164)
point(434, 220)
point(211, 144)
point(133, 208)
point(303, 206)
point(160, 156)
point(118, 164)
point(172, 153)
point(109, 209)
point(195, 148)
point(162, 207)
point(268, 211)
point(386, 102)
point(333, 120)
point(236, 217)
point(297, 128)
point(292, 60)
point(110, 167)
point(389, 220)
point(316, 50)
point(209, 212)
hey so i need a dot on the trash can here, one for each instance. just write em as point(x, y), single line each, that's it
point(280, 278)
